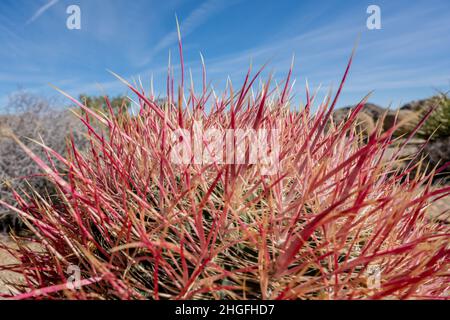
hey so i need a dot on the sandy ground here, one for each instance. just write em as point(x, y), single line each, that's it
point(442, 205)
point(6, 276)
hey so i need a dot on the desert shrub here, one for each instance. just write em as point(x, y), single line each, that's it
point(438, 124)
point(136, 224)
point(30, 117)
point(437, 152)
point(437, 130)
point(98, 103)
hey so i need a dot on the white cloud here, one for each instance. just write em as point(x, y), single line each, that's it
point(41, 11)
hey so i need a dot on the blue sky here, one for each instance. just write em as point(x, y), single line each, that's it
point(407, 59)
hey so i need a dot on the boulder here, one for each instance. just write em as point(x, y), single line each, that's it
point(438, 151)
point(375, 111)
point(366, 118)
point(371, 109)
point(364, 124)
point(422, 105)
point(407, 118)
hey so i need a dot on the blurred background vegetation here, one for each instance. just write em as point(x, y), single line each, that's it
point(34, 118)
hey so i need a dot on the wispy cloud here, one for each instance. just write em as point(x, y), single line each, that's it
point(41, 11)
point(404, 60)
point(194, 20)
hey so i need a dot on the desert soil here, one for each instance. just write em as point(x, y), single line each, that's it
point(6, 276)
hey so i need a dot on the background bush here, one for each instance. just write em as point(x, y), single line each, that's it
point(30, 116)
point(438, 124)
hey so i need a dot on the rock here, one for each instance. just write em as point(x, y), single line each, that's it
point(375, 111)
point(439, 210)
point(364, 124)
point(422, 105)
point(371, 109)
point(340, 115)
point(10, 222)
point(438, 151)
point(366, 118)
point(407, 118)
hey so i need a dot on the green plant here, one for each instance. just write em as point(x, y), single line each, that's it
point(438, 124)
point(98, 103)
